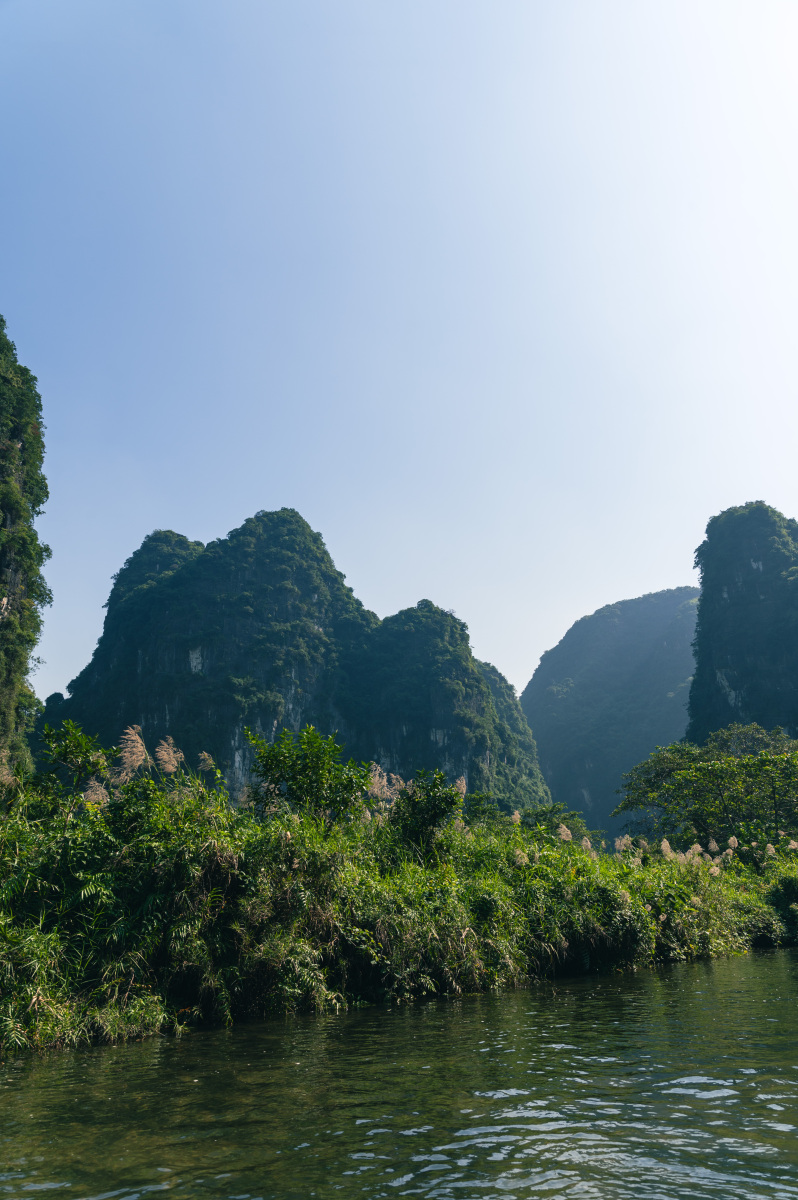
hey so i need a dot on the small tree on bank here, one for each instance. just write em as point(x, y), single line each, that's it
point(303, 772)
point(742, 783)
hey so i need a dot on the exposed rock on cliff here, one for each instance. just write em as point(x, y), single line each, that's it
point(259, 629)
point(612, 690)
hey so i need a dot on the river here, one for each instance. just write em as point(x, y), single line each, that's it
point(680, 1082)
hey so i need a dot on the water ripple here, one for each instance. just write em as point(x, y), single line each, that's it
point(659, 1086)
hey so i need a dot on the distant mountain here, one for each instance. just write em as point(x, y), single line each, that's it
point(747, 633)
point(612, 690)
point(259, 629)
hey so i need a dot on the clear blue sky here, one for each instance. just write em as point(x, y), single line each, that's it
point(501, 296)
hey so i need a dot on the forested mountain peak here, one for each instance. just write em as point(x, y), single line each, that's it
point(160, 554)
point(260, 630)
point(747, 631)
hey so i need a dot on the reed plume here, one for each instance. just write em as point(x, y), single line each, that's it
point(6, 774)
point(95, 794)
point(132, 753)
point(168, 757)
point(384, 787)
point(378, 782)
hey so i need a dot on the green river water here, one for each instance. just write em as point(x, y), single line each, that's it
point(681, 1082)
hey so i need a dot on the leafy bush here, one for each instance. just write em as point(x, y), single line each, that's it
point(135, 898)
point(742, 783)
point(303, 771)
point(422, 807)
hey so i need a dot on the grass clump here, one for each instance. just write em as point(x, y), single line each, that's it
point(136, 898)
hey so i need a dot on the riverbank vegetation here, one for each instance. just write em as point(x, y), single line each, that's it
point(742, 783)
point(136, 898)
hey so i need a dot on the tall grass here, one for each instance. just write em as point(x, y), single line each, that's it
point(133, 905)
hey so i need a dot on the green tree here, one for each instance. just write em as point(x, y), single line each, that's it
point(743, 781)
point(303, 772)
point(23, 591)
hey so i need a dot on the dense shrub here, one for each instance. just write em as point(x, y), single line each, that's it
point(135, 898)
point(742, 783)
point(303, 772)
point(424, 806)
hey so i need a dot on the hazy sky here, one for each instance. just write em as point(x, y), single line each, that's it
point(503, 297)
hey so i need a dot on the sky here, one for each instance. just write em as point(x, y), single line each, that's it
point(501, 297)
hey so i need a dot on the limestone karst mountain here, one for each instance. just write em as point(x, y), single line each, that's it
point(613, 689)
point(259, 629)
point(747, 633)
point(23, 590)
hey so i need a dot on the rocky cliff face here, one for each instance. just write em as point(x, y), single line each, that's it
point(612, 690)
point(260, 630)
point(747, 632)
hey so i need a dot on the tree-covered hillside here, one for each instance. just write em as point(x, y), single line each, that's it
point(260, 630)
point(23, 591)
point(612, 690)
point(747, 632)
point(417, 697)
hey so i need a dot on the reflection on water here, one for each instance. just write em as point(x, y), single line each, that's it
point(678, 1083)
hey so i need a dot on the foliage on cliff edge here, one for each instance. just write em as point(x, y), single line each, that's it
point(23, 591)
